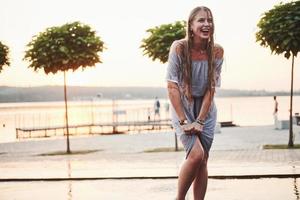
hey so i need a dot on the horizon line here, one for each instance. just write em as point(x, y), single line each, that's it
point(263, 90)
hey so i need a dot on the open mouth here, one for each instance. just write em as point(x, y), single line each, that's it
point(205, 31)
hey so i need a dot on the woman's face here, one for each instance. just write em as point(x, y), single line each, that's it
point(202, 25)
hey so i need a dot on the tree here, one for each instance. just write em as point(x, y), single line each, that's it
point(157, 45)
point(3, 56)
point(279, 29)
point(69, 46)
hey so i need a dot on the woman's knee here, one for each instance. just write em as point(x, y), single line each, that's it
point(204, 161)
point(196, 155)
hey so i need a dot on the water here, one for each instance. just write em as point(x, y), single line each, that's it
point(254, 111)
point(243, 111)
point(245, 189)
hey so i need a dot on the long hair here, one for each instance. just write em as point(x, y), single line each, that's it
point(186, 57)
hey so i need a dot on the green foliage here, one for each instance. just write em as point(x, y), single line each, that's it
point(3, 56)
point(280, 29)
point(157, 45)
point(70, 46)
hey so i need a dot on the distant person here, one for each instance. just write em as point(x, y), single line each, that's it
point(297, 116)
point(275, 112)
point(194, 68)
point(148, 113)
point(156, 108)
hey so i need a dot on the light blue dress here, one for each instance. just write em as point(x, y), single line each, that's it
point(191, 110)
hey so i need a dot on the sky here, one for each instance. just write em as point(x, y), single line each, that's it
point(122, 25)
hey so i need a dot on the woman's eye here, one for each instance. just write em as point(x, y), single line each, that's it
point(203, 20)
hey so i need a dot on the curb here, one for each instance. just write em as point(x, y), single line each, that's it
point(256, 176)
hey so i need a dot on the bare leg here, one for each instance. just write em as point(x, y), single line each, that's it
point(200, 182)
point(189, 169)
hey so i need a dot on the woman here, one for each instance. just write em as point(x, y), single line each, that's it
point(194, 68)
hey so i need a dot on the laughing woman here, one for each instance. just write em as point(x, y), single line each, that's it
point(194, 68)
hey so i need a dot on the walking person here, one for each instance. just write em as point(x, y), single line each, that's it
point(194, 67)
point(156, 108)
point(275, 112)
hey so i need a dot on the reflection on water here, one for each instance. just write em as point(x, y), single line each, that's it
point(69, 182)
point(149, 189)
point(296, 190)
point(51, 114)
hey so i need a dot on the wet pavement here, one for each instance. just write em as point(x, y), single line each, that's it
point(236, 154)
point(111, 165)
point(236, 189)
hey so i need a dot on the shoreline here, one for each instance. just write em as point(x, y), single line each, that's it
point(99, 134)
point(146, 132)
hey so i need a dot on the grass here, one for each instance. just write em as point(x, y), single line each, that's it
point(78, 152)
point(162, 149)
point(280, 146)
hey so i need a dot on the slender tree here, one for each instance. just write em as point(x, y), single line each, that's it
point(279, 29)
point(63, 48)
point(157, 44)
point(4, 60)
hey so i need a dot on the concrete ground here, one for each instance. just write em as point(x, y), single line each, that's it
point(235, 159)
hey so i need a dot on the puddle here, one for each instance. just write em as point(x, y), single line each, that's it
point(246, 189)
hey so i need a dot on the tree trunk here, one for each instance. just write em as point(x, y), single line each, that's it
point(176, 143)
point(291, 135)
point(66, 113)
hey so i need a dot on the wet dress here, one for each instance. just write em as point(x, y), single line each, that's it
point(192, 109)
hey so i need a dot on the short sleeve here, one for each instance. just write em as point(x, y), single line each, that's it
point(219, 63)
point(174, 60)
point(219, 53)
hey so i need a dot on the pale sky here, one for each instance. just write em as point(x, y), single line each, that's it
point(123, 24)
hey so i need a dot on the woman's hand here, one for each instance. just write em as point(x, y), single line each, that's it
point(194, 127)
point(187, 128)
point(197, 128)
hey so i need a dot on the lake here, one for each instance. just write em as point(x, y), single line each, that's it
point(243, 111)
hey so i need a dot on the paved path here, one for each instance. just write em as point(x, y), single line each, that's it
point(236, 153)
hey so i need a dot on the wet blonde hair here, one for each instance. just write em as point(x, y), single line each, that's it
point(186, 54)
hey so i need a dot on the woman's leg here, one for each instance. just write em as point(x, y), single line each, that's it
point(200, 182)
point(189, 169)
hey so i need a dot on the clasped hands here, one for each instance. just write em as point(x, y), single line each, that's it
point(190, 128)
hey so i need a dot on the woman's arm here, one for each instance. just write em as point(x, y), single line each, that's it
point(174, 96)
point(207, 101)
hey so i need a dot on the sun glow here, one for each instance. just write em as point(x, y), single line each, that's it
point(246, 66)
